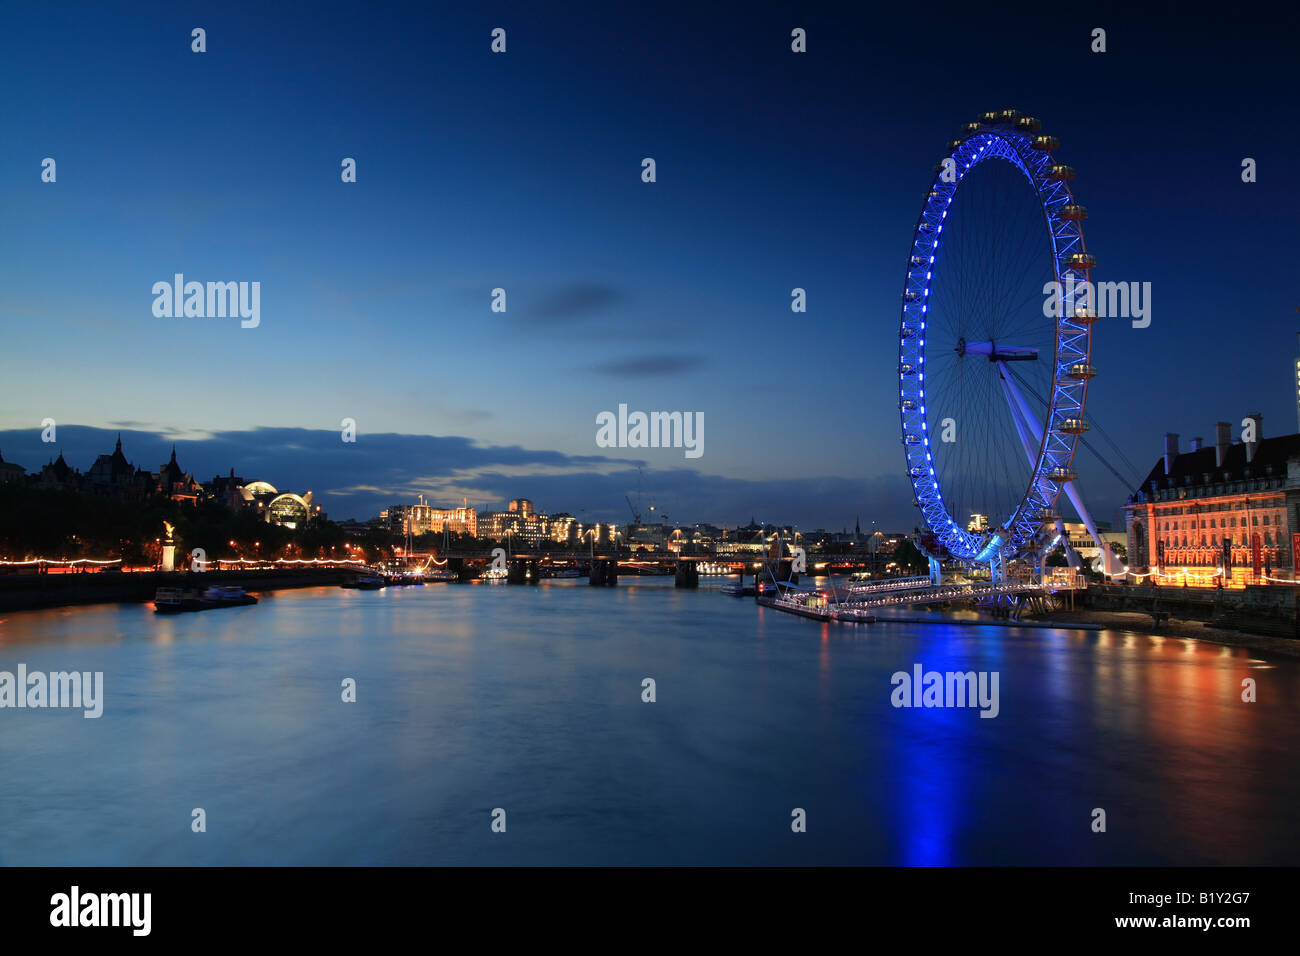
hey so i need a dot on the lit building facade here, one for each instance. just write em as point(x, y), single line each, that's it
point(424, 518)
point(521, 523)
point(1081, 541)
point(279, 507)
point(563, 529)
point(1228, 512)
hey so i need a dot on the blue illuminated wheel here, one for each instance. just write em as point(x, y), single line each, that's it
point(993, 368)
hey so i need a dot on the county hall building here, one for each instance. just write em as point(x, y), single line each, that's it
point(1227, 513)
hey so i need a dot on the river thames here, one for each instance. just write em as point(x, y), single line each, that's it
point(529, 699)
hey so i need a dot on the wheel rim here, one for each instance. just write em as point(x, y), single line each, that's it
point(1069, 333)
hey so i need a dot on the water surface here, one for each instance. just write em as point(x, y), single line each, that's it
point(472, 697)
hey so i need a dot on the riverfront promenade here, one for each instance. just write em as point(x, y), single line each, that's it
point(21, 592)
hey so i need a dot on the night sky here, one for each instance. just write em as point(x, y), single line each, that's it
point(523, 171)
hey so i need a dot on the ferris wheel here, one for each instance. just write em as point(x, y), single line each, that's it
point(994, 343)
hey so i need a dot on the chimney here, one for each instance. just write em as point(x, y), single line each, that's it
point(1196, 443)
point(1222, 442)
point(1171, 451)
point(1252, 446)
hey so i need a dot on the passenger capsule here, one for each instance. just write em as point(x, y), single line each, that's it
point(1046, 143)
point(1060, 172)
point(1074, 426)
point(1084, 315)
point(1073, 213)
point(1080, 261)
point(919, 260)
point(906, 370)
point(907, 405)
point(912, 295)
point(989, 117)
point(1028, 124)
point(969, 128)
point(954, 145)
point(1047, 516)
point(1006, 116)
point(917, 473)
point(1081, 371)
point(907, 334)
point(1060, 475)
point(912, 440)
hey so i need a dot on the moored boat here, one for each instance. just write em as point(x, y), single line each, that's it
point(226, 596)
point(175, 600)
point(405, 579)
point(364, 582)
point(179, 600)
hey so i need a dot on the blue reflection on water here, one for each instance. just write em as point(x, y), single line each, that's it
point(528, 698)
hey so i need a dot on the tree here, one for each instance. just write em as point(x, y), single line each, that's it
point(909, 557)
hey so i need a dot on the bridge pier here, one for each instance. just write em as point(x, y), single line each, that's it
point(688, 575)
point(517, 572)
point(785, 571)
point(604, 573)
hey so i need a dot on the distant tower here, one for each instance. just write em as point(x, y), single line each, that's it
point(1297, 387)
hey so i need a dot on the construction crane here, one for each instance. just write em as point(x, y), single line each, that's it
point(636, 516)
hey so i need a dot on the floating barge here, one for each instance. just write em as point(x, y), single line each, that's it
point(818, 610)
point(180, 601)
point(364, 582)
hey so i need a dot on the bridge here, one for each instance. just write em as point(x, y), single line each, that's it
point(604, 567)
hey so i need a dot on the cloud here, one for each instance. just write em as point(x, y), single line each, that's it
point(576, 300)
point(357, 480)
point(650, 366)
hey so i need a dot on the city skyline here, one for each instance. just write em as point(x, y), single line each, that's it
point(82, 438)
point(376, 295)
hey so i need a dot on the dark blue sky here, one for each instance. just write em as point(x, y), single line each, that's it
point(522, 171)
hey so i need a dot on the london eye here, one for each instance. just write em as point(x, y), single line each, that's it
point(994, 344)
